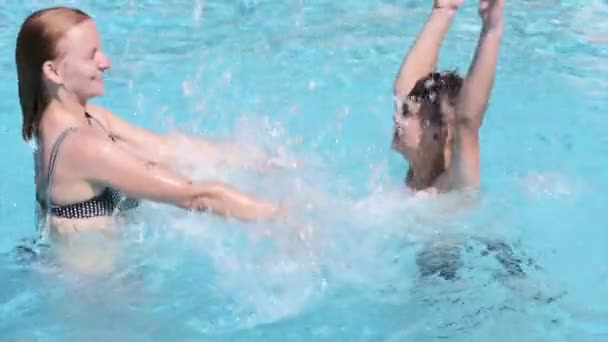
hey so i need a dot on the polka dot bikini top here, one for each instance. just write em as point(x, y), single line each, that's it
point(106, 203)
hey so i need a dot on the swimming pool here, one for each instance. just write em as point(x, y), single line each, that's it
point(312, 80)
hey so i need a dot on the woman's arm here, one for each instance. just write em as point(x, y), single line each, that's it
point(473, 98)
point(422, 57)
point(144, 143)
point(112, 166)
point(164, 149)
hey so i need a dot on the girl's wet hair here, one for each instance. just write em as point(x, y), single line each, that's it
point(435, 85)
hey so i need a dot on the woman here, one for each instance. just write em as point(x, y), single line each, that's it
point(437, 122)
point(90, 163)
point(438, 115)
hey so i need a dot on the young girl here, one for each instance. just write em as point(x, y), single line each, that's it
point(438, 114)
point(437, 121)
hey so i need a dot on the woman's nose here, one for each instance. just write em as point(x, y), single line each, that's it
point(104, 62)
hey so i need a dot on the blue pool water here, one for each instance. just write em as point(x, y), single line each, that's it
point(311, 80)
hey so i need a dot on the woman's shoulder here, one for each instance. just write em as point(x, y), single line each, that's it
point(72, 144)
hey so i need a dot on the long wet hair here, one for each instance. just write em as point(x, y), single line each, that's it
point(37, 42)
point(440, 89)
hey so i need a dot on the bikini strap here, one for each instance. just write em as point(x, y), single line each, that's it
point(89, 117)
point(52, 162)
point(43, 211)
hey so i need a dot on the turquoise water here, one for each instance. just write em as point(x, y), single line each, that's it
point(312, 81)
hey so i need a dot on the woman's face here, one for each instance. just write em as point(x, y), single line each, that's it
point(81, 62)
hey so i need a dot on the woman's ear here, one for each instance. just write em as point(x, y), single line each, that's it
point(49, 71)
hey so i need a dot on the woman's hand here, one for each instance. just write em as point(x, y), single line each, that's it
point(222, 199)
point(267, 211)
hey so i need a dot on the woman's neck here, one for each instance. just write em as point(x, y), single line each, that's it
point(59, 114)
point(67, 105)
